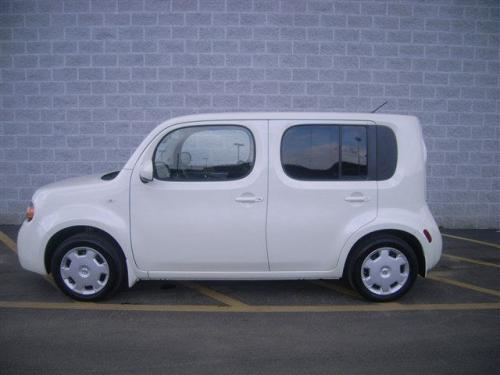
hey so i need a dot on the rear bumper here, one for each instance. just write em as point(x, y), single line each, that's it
point(433, 250)
point(29, 248)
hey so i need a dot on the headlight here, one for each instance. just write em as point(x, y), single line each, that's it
point(30, 212)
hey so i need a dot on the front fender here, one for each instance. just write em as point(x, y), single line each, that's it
point(86, 215)
point(95, 216)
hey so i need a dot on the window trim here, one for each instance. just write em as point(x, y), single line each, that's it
point(246, 129)
point(370, 154)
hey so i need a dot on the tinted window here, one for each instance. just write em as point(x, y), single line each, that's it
point(387, 153)
point(311, 152)
point(325, 152)
point(354, 152)
point(205, 153)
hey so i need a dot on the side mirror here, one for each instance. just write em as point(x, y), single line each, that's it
point(146, 171)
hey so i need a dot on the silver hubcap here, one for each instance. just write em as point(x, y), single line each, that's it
point(384, 271)
point(84, 270)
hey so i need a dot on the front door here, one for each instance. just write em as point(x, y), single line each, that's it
point(321, 190)
point(205, 210)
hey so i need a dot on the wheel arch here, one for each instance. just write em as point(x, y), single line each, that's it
point(403, 235)
point(65, 233)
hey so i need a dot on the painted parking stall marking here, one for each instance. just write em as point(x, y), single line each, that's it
point(11, 245)
point(7, 241)
point(473, 261)
point(372, 307)
point(220, 297)
point(463, 285)
point(229, 304)
point(490, 244)
point(336, 288)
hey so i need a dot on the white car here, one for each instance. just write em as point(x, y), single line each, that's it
point(245, 196)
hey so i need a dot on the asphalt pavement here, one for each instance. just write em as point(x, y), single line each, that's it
point(448, 323)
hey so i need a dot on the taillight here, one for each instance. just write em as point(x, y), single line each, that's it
point(30, 212)
point(428, 235)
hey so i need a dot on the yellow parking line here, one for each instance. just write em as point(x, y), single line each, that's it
point(473, 261)
point(225, 299)
point(238, 305)
point(472, 240)
point(461, 284)
point(372, 307)
point(336, 288)
point(6, 240)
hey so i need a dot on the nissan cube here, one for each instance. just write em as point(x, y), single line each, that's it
point(248, 196)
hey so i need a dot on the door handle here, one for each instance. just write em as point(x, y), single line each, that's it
point(356, 199)
point(249, 199)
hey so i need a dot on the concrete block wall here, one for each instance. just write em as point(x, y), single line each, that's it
point(83, 81)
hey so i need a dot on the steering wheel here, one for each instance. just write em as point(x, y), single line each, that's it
point(185, 161)
point(162, 170)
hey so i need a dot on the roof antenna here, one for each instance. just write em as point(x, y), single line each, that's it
point(380, 106)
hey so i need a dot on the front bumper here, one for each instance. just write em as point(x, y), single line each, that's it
point(30, 247)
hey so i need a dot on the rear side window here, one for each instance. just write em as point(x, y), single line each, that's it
point(354, 152)
point(387, 153)
point(325, 152)
point(205, 153)
point(311, 152)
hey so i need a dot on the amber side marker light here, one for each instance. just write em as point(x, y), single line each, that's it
point(427, 235)
point(30, 212)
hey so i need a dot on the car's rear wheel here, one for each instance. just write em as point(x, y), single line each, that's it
point(88, 267)
point(383, 268)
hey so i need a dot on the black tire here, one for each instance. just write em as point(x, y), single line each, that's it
point(372, 247)
point(104, 252)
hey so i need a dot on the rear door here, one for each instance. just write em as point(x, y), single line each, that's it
point(321, 190)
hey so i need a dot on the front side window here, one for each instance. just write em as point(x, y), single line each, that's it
point(205, 153)
point(325, 152)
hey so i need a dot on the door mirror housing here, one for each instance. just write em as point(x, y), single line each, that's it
point(146, 171)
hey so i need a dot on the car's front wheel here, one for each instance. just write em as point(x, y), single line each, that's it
point(383, 268)
point(88, 267)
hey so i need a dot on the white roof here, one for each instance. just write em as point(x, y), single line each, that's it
point(362, 116)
